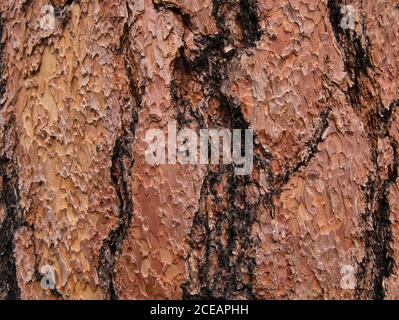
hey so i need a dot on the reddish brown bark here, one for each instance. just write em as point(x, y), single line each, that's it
point(78, 195)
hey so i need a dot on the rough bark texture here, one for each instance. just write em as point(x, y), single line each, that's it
point(77, 194)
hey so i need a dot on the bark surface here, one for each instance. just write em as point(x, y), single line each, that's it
point(77, 194)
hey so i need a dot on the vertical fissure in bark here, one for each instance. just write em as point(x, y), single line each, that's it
point(163, 4)
point(122, 163)
point(367, 104)
point(226, 266)
point(9, 197)
point(10, 200)
point(225, 269)
point(378, 262)
point(277, 182)
point(248, 16)
point(356, 58)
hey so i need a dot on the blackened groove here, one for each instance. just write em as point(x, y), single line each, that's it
point(9, 198)
point(277, 182)
point(377, 264)
point(165, 5)
point(122, 163)
point(233, 275)
point(250, 21)
point(356, 59)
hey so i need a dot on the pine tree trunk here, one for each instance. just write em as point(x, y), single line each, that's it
point(82, 83)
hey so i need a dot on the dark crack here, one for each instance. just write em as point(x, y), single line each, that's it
point(122, 163)
point(357, 59)
point(378, 262)
point(226, 236)
point(248, 16)
point(277, 182)
point(364, 98)
point(9, 198)
point(166, 5)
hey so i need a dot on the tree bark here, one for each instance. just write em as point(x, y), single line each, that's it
point(80, 92)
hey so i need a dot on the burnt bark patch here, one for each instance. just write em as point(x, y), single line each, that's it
point(366, 102)
point(223, 236)
point(357, 59)
point(249, 19)
point(378, 262)
point(9, 199)
point(122, 163)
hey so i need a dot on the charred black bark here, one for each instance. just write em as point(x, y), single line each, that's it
point(122, 163)
point(357, 60)
point(225, 237)
point(377, 264)
point(248, 16)
point(9, 198)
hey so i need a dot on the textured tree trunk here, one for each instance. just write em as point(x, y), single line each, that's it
point(84, 80)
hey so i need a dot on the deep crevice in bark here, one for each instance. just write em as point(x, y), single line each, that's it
point(226, 268)
point(238, 215)
point(364, 97)
point(165, 5)
point(9, 198)
point(122, 163)
point(378, 263)
point(250, 22)
point(357, 59)
point(277, 182)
